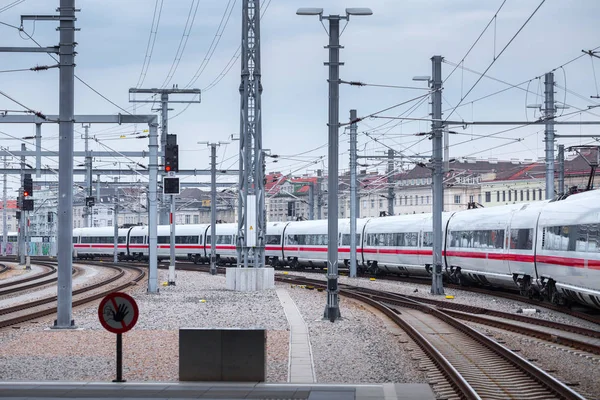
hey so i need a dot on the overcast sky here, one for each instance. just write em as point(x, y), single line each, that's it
point(387, 48)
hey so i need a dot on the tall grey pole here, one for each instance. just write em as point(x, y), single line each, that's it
point(21, 233)
point(550, 112)
point(38, 150)
point(87, 222)
point(390, 174)
point(319, 192)
point(65, 163)
point(163, 210)
point(446, 149)
point(4, 203)
point(116, 227)
point(97, 191)
point(437, 285)
point(561, 169)
point(171, 278)
point(353, 193)
point(311, 201)
point(152, 200)
point(332, 310)
point(213, 208)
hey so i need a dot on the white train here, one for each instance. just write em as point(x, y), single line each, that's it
point(548, 248)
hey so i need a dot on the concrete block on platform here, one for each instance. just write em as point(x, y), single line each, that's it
point(250, 279)
point(230, 355)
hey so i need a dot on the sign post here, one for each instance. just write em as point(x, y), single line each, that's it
point(118, 313)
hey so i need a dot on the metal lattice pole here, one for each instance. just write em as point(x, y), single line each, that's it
point(353, 199)
point(251, 201)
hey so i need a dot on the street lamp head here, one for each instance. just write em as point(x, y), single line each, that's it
point(310, 11)
point(359, 11)
point(424, 78)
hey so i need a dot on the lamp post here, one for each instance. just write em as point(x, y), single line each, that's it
point(213, 204)
point(332, 311)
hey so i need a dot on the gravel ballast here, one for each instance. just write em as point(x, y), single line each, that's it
point(358, 348)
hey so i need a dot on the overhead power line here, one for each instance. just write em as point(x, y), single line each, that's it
point(496, 58)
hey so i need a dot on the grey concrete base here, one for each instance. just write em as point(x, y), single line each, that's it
point(222, 355)
point(250, 279)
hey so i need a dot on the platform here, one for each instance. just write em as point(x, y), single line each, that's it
point(301, 367)
point(174, 390)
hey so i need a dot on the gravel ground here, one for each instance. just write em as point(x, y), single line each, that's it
point(462, 297)
point(357, 348)
point(150, 350)
point(568, 365)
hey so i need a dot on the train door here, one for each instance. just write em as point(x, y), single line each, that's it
point(128, 252)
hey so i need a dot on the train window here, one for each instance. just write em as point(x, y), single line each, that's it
point(346, 239)
point(136, 239)
point(186, 239)
point(74, 239)
point(427, 239)
point(163, 239)
point(273, 239)
point(521, 239)
point(122, 239)
point(491, 239)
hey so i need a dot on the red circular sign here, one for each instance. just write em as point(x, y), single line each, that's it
point(118, 312)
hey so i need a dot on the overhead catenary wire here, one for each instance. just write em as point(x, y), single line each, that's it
point(158, 5)
point(189, 23)
point(496, 58)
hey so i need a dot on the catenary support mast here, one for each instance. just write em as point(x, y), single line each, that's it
point(437, 285)
point(549, 113)
point(353, 197)
point(251, 201)
point(65, 162)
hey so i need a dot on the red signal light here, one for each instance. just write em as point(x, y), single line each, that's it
point(167, 168)
point(25, 194)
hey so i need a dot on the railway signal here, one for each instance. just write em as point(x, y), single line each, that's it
point(170, 185)
point(171, 154)
point(27, 186)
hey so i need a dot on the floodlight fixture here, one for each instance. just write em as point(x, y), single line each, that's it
point(309, 11)
point(359, 11)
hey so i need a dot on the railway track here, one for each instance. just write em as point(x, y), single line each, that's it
point(589, 315)
point(20, 313)
point(470, 364)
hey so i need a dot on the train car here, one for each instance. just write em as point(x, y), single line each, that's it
point(568, 249)
point(224, 243)
point(476, 245)
point(520, 237)
point(137, 243)
point(344, 248)
point(400, 244)
point(305, 244)
point(274, 244)
point(189, 241)
point(98, 242)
